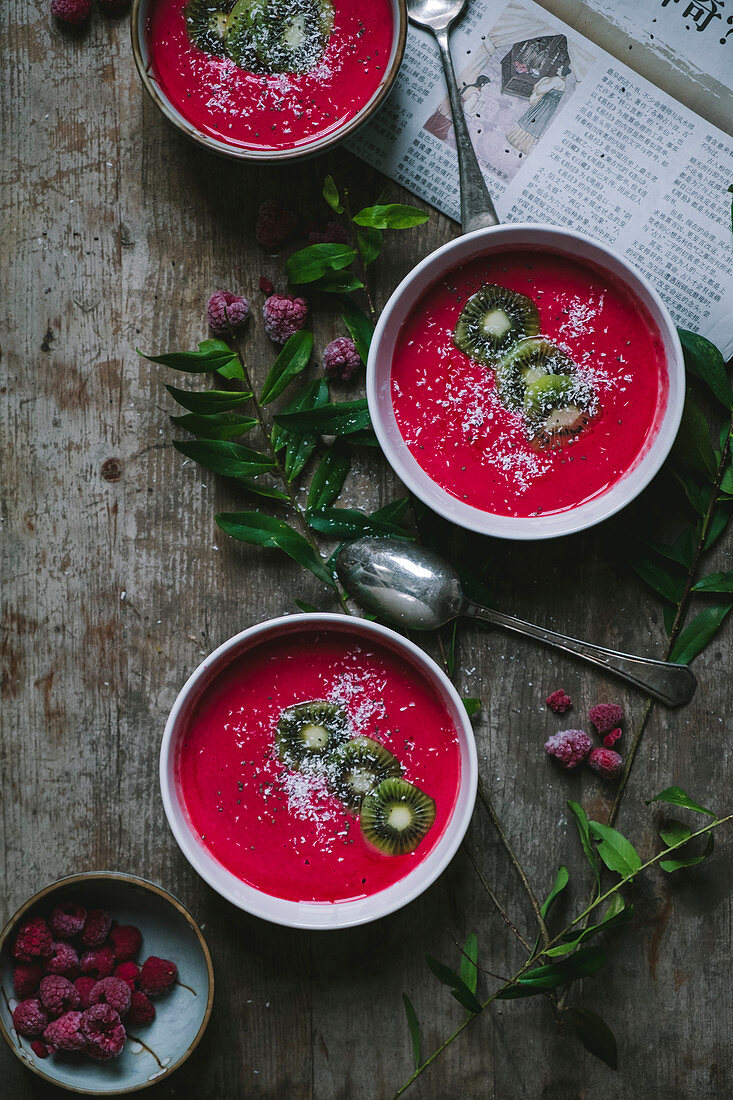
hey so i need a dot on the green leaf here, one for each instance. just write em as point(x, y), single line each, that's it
point(364, 438)
point(581, 820)
point(212, 355)
point(262, 489)
point(670, 614)
point(583, 962)
point(331, 195)
point(232, 370)
point(393, 216)
point(675, 796)
point(360, 329)
point(261, 530)
point(693, 445)
point(699, 497)
point(469, 959)
point(615, 850)
point(715, 582)
point(675, 833)
point(661, 580)
point(705, 361)
point(292, 360)
point(298, 448)
point(678, 864)
point(342, 418)
point(316, 260)
point(338, 282)
point(370, 244)
point(394, 512)
point(307, 608)
point(414, 1026)
point(617, 913)
point(460, 990)
point(348, 523)
point(561, 880)
point(697, 634)
point(329, 478)
point(473, 706)
point(215, 425)
point(726, 484)
point(595, 1035)
point(718, 524)
point(209, 401)
point(226, 458)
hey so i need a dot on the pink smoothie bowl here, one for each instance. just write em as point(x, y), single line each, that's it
point(436, 266)
point(308, 914)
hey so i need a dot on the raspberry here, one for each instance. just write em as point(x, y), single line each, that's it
point(113, 992)
point(30, 1018)
point(611, 738)
point(96, 928)
point(606, 716)
point(126, 941)
point(71, 11)
point(99, 963)
point(39, 1049)
point(63, 961)
point(341, 359)
point(226, 312)
point(274, 225)
point(129, 972)
point(284, 316)
point(34, 940)
point(569, 747)
point(58, 995)
point(84, 987)
point(103, 1030)
point(142, 1011)
point(558, 701)
point(68, 920)
point(157, 975)
point(606, 762)
point(266, 286)
point(26, 977)
point(65, 1033)
point(330, 233)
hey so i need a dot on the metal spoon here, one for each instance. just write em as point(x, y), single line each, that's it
point(415, 588)
point(438, 16)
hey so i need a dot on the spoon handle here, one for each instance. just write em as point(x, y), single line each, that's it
point(477, 209)
point(671, 684)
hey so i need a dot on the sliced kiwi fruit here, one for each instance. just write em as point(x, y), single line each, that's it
point(280, 36)
point(358, 767)
point(396, 816)
point(207, 24)
point(557, 407)
point(528, 361)
point(310, 731)
point(492, 320)
point(240, 39)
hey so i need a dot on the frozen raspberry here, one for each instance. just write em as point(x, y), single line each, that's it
point(129, 972)
point(274, 225)
point(68, 920)
point(71, 11)
point(569, 747)
point(330, 233)
point(113, 992)
point(99, 963)
point(226, 312)
point(284, 316)
point(126, 941)
point(30, 1017)
point(606, 762)
point(558, 701)
point(103, 1030)
point(26, 977)
point(39, 1049)
point(63, 961)
point(58, 995)
point(606, 716)
point(611, 738)
point(84, 986)
point(34, 940)
point(157, 975)
point(96, 928)
point(341, 359)
point(142, 1011)
point(65, 1033)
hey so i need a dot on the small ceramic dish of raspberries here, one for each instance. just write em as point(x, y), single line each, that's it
point(107, 983)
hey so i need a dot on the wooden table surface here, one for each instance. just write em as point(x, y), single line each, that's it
point(116, 583)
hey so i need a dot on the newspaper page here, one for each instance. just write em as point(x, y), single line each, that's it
point(568, 135)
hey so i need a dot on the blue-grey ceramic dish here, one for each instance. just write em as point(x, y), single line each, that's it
point(152, 1052)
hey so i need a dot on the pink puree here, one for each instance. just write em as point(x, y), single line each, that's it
point(449, 414)
point(280, 111)
point(278, 829)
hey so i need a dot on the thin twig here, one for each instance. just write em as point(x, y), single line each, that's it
point(504, 915)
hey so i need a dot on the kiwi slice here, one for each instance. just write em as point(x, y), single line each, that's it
point(358, 767)
point(528, 361)
point(492, 320)
point(280, 36)
point(396, 816)
point(207, 24)
point(310, 731)
point(240, 39)
point(557, 407)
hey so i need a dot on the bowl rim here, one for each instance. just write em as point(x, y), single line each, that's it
point(533, 528)
point(347, 914)
point(153, 888)
point(270, 156)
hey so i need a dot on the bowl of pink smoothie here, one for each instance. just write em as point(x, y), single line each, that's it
point(268, 80)
point(525, 381)
point(318, 771)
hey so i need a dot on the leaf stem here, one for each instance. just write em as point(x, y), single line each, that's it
point(359, 257)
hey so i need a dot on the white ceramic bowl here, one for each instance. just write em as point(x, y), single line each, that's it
point(460, 251)
point(316, 915)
